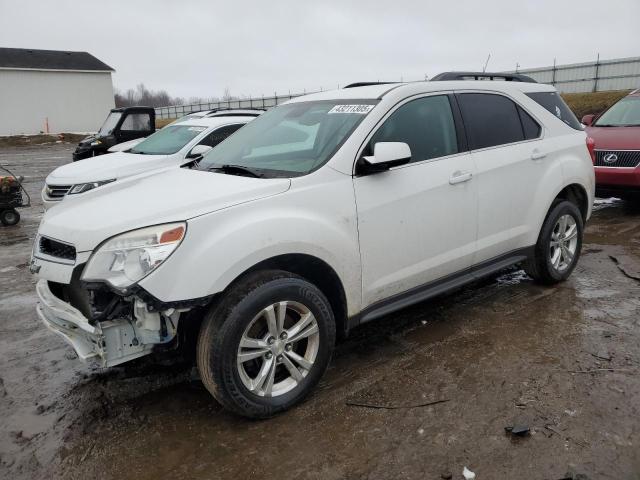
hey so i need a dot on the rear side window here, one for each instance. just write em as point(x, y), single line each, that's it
point(553, 102)
point(425, 124)
point(490, 120)
point(531, 128)
point(215, 137)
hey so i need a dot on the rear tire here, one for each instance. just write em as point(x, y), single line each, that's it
point(265, 345)
point(559, 244)
point(9, 217)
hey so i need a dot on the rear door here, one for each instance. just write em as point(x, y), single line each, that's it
point(416, 222)
point(505, 141)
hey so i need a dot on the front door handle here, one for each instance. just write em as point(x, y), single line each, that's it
point(537, 155)
point(460, 177)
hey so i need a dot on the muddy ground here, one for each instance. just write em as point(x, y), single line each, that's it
point(563, 361)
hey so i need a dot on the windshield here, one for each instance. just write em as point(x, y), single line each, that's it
point(168, 140)
point(625, 113)
point(109, 124)
point(290, 140)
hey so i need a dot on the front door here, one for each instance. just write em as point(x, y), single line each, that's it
point(416, 222)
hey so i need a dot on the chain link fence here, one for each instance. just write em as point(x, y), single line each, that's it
point(177, 111)
point(601, 75)
point(598, 76)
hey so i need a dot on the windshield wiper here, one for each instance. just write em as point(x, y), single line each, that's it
point(236, 170)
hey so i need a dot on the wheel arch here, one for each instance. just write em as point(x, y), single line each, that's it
point(316, 271)
point(576, 194)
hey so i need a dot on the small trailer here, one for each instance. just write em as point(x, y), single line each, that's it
point(12, 196)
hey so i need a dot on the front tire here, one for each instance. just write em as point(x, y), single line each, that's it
point(9, 217)
point(559, 244)
point(266, 344)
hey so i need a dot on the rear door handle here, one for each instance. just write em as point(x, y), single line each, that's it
point(460, 177)
point(537, 155)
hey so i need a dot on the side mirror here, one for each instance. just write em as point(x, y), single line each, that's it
point(385, 156)
point(588, 120)
point(198, 151)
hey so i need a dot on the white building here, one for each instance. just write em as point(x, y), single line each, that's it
point(52, 91)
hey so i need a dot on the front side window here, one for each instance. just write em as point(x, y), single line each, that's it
point(553, 102)
point(137, 122)
point(290, 140)
point(425, 124)
point(625, 113)
point(490, 120)
point(110, 123)
point(169, 140)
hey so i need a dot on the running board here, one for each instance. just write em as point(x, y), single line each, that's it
point(440, 286)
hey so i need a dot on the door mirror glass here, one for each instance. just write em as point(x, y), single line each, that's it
point(588, 120)
point(387, 155)
point(198, 151)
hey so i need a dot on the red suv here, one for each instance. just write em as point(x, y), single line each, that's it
point(616, 147)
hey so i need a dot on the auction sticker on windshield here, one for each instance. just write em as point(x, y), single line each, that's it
point(362, 109)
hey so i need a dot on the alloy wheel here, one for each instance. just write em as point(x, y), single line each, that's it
point(564, 241)
point(278, 349)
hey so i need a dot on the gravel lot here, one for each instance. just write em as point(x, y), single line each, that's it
point(563, 361)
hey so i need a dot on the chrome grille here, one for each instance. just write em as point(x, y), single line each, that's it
point(57, 191)
point(54, 248)
point(617, 158)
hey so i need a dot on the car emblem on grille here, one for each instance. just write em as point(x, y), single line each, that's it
point(610, 158)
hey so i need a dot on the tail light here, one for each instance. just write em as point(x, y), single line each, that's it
point(591, 146)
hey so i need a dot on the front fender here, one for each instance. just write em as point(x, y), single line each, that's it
point(317, 220)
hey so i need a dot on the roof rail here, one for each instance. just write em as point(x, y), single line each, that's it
point(366, 84)
point(229, 111)
point(508, 77)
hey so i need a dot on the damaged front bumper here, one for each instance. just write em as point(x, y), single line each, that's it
point(109, 343)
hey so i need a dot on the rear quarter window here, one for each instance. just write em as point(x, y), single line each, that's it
point(553, 102)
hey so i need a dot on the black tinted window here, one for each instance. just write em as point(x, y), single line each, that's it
point(490, 120)
point(529, 125)
point(425, 124)
point(553, 102)
point(215, 137)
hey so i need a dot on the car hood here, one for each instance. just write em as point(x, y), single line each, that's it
point(121, 147)
point(106, 167)
point(615, 138)
point(88, 139)
point(172, 195)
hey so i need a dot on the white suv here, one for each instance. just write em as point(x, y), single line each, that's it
point(322, 214)
point(170, 147)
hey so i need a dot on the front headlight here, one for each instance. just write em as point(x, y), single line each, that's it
point(95, 143)
point(126, 259)
point(85, 187)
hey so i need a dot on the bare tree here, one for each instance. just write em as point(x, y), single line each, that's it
point(143, 96)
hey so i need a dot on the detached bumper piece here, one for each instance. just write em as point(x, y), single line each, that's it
point(110, 342)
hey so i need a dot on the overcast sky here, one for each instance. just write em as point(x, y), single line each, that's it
point(200, 47)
